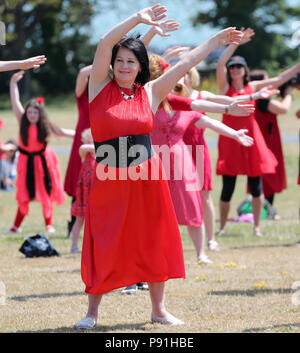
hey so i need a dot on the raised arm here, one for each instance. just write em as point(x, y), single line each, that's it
point(222, 129)
point(278, 80)
point(15, 96)
point(162, 28)
point(30, 63)
point(82, 80)
point(231, 108)
point(283, 105)
point(221, 73)
point(101, 65)
point(160, 87)
point(264, 93)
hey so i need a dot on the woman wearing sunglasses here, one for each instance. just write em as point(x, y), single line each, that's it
point(233, 80)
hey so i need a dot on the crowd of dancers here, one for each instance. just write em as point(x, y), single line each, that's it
point(128, 99)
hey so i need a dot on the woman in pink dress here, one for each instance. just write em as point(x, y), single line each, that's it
point(38, 172)
point(74, 164)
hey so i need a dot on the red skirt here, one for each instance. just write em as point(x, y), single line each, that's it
point(131, 233)
point(235, 159)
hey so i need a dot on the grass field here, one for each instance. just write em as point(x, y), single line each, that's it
point(248, 288)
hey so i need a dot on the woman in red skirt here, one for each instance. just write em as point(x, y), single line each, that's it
point(131, 232)
point(233, 80)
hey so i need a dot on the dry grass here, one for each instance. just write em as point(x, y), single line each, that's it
point(247, 289)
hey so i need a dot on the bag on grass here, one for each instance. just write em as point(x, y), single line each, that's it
point(268, 211)
point(38, 245)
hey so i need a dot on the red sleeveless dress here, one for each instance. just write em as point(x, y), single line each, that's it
point(131, 233)
point(193, 137)
point(272, 183)
point(74, 164)
point(57, 194)
point(235, 159)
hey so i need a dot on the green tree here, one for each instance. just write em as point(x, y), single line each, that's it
point(56, 28)
point(270, 19)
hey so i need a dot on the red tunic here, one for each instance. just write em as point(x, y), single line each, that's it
point(272, 183)
point(236, 159)
point(194, 136)
point(74, 164)
point(131, 233)
point(41, 195)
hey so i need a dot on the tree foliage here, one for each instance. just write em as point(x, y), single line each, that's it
point(270, 19)
point(56, 28)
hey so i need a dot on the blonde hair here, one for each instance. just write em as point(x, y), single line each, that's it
point(156, 70)
point(86, 136)
point(194, 77)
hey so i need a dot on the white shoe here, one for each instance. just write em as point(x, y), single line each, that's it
point(213, 245)
point(204, 259)
point(87, 323)
point(13, 229)
point(168, 319)
point(50, 229)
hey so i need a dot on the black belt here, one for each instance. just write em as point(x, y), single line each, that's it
point(124, 151)
point(30, 177)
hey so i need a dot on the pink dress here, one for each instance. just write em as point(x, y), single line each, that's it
point(41, 195)
point(194, 137)
point(185, 192)
point(74, 164)
point(79, 207)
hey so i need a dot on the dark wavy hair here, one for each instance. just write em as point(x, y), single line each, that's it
point(138, 48)
point(44, 126)
point(247, 78)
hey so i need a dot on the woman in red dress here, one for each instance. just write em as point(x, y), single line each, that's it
point(131, 232)
point(38, 172)
point(233, 80)
point(74, 164)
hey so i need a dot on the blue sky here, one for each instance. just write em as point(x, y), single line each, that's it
point(179, 10)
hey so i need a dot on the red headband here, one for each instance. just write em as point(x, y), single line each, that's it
point(164, 65)
point(40, 99)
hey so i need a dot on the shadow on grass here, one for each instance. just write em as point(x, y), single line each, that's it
point(253, 292)
point(265, 245)
point(98, 329)
point(24, 298)
point(262, 329)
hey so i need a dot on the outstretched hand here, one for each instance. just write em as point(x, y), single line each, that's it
point(230, 36)
point(33, 63)
point(248, 33)
point(174, 52)
point(267, 92)
point(244, 139)
point(17, 76)
point(237, 109)
point(151, 15)
point(163, 28)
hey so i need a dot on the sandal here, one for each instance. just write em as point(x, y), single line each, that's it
point(87, 323)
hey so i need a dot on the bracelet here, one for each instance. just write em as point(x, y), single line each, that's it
point(226, 110)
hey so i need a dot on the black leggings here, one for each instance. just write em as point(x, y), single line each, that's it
point(254, 183)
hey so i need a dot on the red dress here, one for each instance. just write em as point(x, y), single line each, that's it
point(131, 233)
point(272, 183)
point(193, 137)
point(236, 159)
point(41, 195)
point(74, 164)
point(79, 207)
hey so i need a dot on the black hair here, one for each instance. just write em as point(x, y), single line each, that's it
point(138, 48)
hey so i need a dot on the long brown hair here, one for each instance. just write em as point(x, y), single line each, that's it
point(44, 126)
point(246, 76)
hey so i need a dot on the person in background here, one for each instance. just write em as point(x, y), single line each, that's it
point(75, 162)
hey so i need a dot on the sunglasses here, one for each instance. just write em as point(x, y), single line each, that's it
point(177, 88)
point(238, 66)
